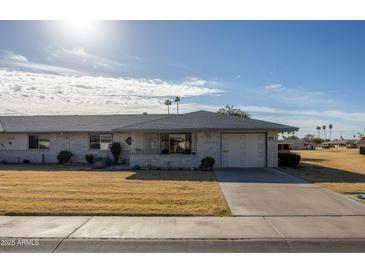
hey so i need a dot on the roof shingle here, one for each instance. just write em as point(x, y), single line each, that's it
point(205, 120)
point(199, 120)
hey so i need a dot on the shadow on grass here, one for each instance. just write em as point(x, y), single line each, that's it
point(172, 175)
point(59, 167)
point(314, 160)
point(320, 174)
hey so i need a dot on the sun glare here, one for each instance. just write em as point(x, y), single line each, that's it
point(80, 27)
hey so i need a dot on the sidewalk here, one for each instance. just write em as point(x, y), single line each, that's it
point(185, 234)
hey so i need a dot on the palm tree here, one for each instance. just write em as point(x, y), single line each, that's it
point(324, 130)
point(168, 104)
point(330, 126)
point(177, 100)
point(318, 128)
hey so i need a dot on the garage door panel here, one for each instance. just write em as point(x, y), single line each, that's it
point(243, 150)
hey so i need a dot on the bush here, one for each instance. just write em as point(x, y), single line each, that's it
point(89, 158)
point(289, 159)
point(362, 150)
point(207, 163)
point(102, 162)
point(116, 149)
point(64, 156)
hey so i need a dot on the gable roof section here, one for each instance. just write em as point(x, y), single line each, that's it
point(71, 123)
point(193, 121)
point(204, 120)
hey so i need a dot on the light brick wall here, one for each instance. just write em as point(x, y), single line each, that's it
point(272, 149)
point(77, 143)
point(207, 144)
point(164, 161)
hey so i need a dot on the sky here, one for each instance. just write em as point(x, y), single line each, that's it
point(300, 73)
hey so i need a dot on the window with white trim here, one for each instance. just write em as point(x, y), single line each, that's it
point(37, 142)
point(100, 141)
point(176, 143)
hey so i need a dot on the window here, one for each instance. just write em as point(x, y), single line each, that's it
point(100, 141)
point(34, 142)
point(43, 143)
point(150, 142)
point(165, 144)
point(176, 143)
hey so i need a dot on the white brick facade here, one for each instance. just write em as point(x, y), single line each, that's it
point(14, 149)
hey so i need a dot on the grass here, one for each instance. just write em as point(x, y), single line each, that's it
point(340, 170)
point(54, 190)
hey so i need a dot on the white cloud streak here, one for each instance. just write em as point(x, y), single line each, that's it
point(14, 60)
point(41, 93)
point(79, 55)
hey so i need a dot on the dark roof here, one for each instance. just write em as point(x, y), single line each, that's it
point(205, 120)
point(71, 123)
point(199, 120)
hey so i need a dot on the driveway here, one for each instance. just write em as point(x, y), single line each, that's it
point(270, 192)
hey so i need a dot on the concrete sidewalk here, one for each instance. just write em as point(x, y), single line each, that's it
point(184, 234)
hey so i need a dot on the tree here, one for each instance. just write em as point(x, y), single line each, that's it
point(230, 110)
point(318, 128)
point(310, 138)
point(177, 100)
point(324, 130)
point(116, 149)
point(168, 104)
point(330, 126)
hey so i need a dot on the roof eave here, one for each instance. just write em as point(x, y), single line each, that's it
point(287, 129)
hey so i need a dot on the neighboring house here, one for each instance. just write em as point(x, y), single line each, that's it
point(343, 143)
point(155, 140)
point(361, 142)
point(294, 144)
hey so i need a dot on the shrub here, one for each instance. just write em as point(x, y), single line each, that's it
point(207, 163)
point(64, 156)
point(289, 159)
point(362, 150)
point(116, 149)
point(101, 162)
point(89, 158)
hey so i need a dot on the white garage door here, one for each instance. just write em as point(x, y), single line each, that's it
point(243, 150)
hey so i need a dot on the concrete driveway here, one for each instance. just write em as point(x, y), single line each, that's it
point(270, 192)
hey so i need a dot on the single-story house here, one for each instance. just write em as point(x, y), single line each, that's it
point(342, 143)
point(296, 144)
point(361, 142)
point(156, 140)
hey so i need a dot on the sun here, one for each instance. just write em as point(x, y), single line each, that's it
point(80, 27)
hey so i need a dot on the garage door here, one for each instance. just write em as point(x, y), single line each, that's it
point(243, 150)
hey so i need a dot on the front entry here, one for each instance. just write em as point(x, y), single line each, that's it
point(243, 150)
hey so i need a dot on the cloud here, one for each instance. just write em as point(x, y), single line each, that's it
point(75, 61)
point(13, 60)
point(41, 93)
point(273, 87)
point(295, 96)
point(86, 58)
point(18, 58)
